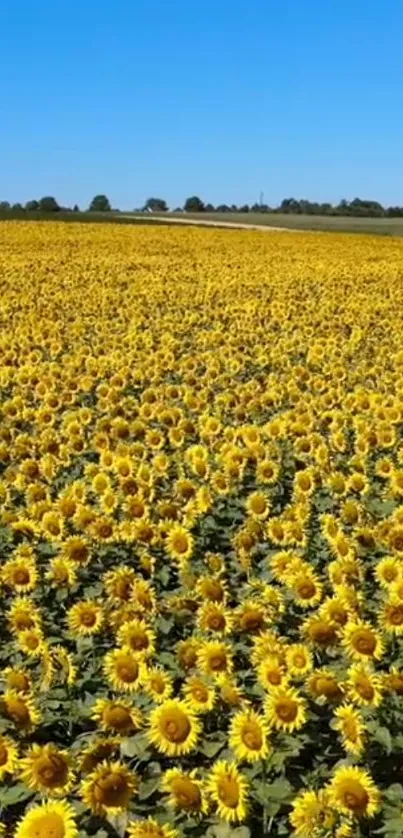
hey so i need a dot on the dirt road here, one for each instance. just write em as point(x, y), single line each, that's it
point(237, 225)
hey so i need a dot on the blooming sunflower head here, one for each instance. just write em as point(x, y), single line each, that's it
point(85, 618)
point(228, 790)
point(285, 709)
point(352, 792)
point(186, 792)
point(46, 769)
point(117, 716)
point(122, 669)
point(199, 694)
point(150, 828)
point(173, 728)
point(138, 637)
point(109, 789)
point(249, 736)
point(8, 756)
point(56, 819)
point(215, 658)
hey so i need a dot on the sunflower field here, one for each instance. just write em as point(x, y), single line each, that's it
point(201, 533)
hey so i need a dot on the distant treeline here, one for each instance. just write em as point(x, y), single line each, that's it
point(289, 206)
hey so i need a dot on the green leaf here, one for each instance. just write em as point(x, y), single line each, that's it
point(136, 746)
point(382, 735)
point(14, 794)
point(148, 787)
point(210, 749)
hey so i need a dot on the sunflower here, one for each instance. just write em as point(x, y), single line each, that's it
point(308, 813)
point(150, 828)
point(23, 614)
point(61, 573)
point(20, 574)
point(48, 820)
point(101, 750)
point(320, 631)
point(364, 686)
point(8, 756)
point(228, 790)
point(267, 471)
point(395, 540)
point(306, 589)
point(52, 525)
point(271, 673)
point(336, 610)
point(157, 683)
point(323, 684)
point(215, 658)
point(248, 736)
point(173, 728)
point(17, 679)
point(179, 543)
point(109, 789)
point(211, 588)
point(77, 550)
point(349, 723)
point(213, 616)
point(285, 709)
point(388, 570)
point(138, 637)
point(46, 769)
point(20, 709)
point(393, 681)
point(31, 642)
point(187, 652)
point(85, 618)
point(122, 669)
point(185, 791)
point(298, 660)
point(391, 617)
point(230, 692)
point(258, 505)
point(117, 716)
point(361, 641)
point(352, 792)
point(251, 617)
point(119, 584)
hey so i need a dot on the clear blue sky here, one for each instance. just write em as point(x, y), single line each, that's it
point(222, 98)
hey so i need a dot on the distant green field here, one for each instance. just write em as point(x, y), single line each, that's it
point(376, 226)
point(383, 226)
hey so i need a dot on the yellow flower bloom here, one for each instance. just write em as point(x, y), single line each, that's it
point(46, 769)
point(285, 709)
point(352, 792)
point(186, 792)
point(56, 819)
point(248, 736)
point(173, 728)
point(228, 789)
point(109, 789)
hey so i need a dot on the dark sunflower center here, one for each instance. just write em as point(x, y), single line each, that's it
point(364, 642)
point(176, 726)
point(228, 792)
point(286, 709)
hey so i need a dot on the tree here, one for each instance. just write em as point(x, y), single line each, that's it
point(209, 208)
point(48, 204)
point(156, 205)
point(17, 208)
point(193, 204)
point(244, 208)
point(32, 206)
point(4, 206)
point(76, 208)
point(100, 204)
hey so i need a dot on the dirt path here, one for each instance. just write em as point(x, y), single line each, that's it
point(237, 225)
